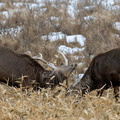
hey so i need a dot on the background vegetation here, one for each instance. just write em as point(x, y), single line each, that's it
point(22, 28)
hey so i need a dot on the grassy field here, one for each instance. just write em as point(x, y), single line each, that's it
point(53, 105)
point(22, 28)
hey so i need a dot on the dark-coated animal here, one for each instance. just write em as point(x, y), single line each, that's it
point(102, 73)
point(20, 69)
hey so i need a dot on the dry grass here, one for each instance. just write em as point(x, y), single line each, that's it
point(53, 105)
point(36, 22)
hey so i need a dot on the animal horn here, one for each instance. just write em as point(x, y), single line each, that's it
point(66, 60)
point(51, 65)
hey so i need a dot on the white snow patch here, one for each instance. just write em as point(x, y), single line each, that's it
point(54, 18)
point(11, 31)
point(1, 4)
point(89, 18)
point(18, 4)
point(106, 2)
point(116, 25)
point(71, 10)
point(2, 21)
point(75, 57)
point(116, 35)
point(54, 36)
point(115, 7)
point(5, 13)
point(80, 75)
point(79, 38)
point(9, 12)
point(77, 79)
point(69, 50)
point(88, 7)
point(30, 5)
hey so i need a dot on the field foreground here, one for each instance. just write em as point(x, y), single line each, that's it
point(53, 105)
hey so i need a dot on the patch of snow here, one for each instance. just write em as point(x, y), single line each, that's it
point(116, 35)
point(116, 25)
point(88, 7)
point(79, 38)
point(105, 2)
point(10, 12)
point(85, 69)
point(11, 31)
point(1, 4)
point(77, 79)
point(54, 18)
point(5, 13)
point(54, 36)
point(115, 7)
point(2, 21)
point(80, 76)
point(71, 10)
point(18, 4)
point(109, 4)
point(89, 18)
point(30, 5)
point(78, 57)
point(80, 64)
point(69, 50)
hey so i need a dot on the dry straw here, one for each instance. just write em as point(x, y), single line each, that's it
point(47, 105)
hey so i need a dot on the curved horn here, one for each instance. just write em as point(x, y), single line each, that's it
point(66, 60)
point(51, 65)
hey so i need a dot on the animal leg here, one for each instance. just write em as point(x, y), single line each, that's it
point(99, 93)
point(116, 94)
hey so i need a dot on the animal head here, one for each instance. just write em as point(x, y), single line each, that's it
point(59, 74)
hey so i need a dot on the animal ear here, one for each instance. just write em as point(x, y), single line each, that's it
point(66, 60)
point(51, 65)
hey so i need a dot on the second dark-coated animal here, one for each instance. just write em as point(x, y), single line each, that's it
point(102, 73)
